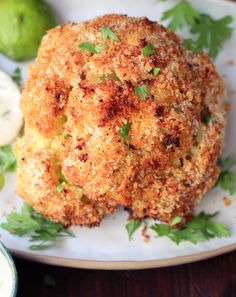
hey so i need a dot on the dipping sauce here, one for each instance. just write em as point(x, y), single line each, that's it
point(8, 280)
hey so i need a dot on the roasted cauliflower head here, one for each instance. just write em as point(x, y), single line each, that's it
point(131, 118)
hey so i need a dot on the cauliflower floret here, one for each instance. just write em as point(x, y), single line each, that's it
point(76, 102)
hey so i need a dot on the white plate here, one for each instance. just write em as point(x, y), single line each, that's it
point(108, 246)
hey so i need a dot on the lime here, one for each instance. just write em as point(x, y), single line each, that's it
point(22, 25)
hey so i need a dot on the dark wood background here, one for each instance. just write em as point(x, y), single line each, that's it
point(210, 278)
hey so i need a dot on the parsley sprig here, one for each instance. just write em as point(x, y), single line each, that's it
point(207, 32)
point(7, 163)
point(201, 228)
point(211, 34)
point(41, 230)
point(227, 178)
point(155, 71)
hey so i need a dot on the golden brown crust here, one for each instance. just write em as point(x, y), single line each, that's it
point(75, 104)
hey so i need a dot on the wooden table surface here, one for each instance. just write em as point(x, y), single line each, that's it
point(210, 278)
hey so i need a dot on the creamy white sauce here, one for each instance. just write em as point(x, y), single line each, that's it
point(11, 118)
point(6, 277)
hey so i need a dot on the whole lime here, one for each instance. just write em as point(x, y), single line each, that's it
point(22, 25)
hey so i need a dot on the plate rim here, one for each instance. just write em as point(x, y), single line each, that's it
point(127, 265)
point(121, 265)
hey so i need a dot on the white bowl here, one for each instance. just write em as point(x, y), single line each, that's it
point(8, 274)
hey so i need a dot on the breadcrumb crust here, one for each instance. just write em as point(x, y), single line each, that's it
point(75, 104)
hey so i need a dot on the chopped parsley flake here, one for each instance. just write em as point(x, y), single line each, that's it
point(176, 220)
point(60, 184)
point(107, 33)
point(155, 71)
point(124, 130)
point(91, 48)
point(141, 91)
point(148, 50)
point(207, 118)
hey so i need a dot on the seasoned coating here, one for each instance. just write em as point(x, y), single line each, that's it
point(75, 105)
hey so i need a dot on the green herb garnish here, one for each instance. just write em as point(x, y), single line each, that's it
point(124, 130)
point(207, 118)
point(201, 228)
point(60, 184)
point(141, 91)
point(207, 32)
point(41, 230)
point(227, 178)
point(148, 50)
point(7, 163)
point(107, 33)
point(155, 71)
point(133, 226)
point(211, 34)
point(176, 220)
point(16, 76)
point(180, 15)
point(91, 48)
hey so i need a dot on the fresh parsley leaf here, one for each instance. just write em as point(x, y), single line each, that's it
point(208, 33)
point(107, 33)
point(16, 76)
point(60, 184)
point(124, 130)
point(148, 50)
point(181, 14)
point(100, 47)
point(133, 226)
point(29, 222)
point(227, 181)
point(207, 118)
point(211, 34)
point(91, 48)
point(201, 228)
point(7, 163)
point(155, 71)
point(141, 91)
point(49, 280)
point(227, 178)
point(7, 159)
